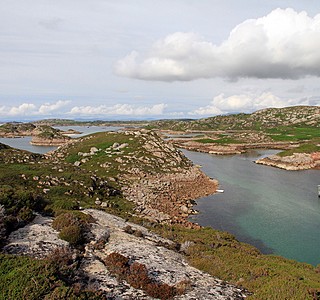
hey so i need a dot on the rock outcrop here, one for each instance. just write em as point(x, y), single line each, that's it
point(37, 239)
point(169, 198)
point(297, 161)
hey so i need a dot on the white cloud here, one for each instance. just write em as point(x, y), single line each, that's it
point(47, 108)
point(246, 102)
point(21, 110)
point(284, 44)
point(118, 109)
point(30, 109)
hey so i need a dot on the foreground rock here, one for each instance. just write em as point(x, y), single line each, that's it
point(164, 266)
point(36, 239)
point(297, 161)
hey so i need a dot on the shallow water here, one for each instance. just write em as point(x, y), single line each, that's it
point(275, 210)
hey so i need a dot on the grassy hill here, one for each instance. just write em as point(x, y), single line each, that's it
point(296, 116)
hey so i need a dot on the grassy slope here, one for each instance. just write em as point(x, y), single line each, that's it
point(267, 276)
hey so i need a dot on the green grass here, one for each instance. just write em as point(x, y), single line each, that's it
point(205, 141)
point(25, 278)
point(32, 279)
point(294, 133)
point(222, 141)
point(306, 148)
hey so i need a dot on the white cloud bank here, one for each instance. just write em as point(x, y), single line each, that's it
point(58, 109)
point(284, 44)
point(246, 103)
point(119, 110)
point(30, 109)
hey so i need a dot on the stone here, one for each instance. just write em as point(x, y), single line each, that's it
point(115, 145)
point(93, 150)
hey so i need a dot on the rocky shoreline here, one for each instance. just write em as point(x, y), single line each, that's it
point(230, 149)
point(169, 198)
point(40, 141)
point(295, 162)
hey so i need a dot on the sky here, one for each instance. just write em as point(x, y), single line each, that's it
point(156, 59)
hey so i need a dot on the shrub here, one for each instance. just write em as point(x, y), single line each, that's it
point(26, 214)
point(72, 234)
point(65, 220)
point(72, 226)
point(138, 233)
point(137, 276)
point(117, 264)
point(160, 290)
point(128, 229)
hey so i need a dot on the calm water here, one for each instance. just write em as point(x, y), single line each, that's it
point(24, 142)
point(277, 211)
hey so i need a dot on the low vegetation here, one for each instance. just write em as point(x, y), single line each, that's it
point(52, 278)
point(266, 276)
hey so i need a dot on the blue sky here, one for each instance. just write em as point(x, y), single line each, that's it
point(122, 59)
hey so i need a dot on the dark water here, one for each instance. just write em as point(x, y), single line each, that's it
point(275, 210)
point(23, 143)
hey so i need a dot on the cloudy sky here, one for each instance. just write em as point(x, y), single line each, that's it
point(124, 59)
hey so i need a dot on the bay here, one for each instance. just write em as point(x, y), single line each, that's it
point(277, 211)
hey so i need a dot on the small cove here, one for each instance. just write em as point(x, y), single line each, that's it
point(275, 210)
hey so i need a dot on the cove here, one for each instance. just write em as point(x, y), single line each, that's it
point(275, 210)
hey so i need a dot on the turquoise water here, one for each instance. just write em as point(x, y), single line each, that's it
point(275, 210)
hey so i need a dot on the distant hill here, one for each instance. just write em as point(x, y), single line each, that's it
point(297, 116)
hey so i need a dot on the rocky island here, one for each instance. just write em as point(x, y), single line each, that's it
point(42, 135)
point(293, 129)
